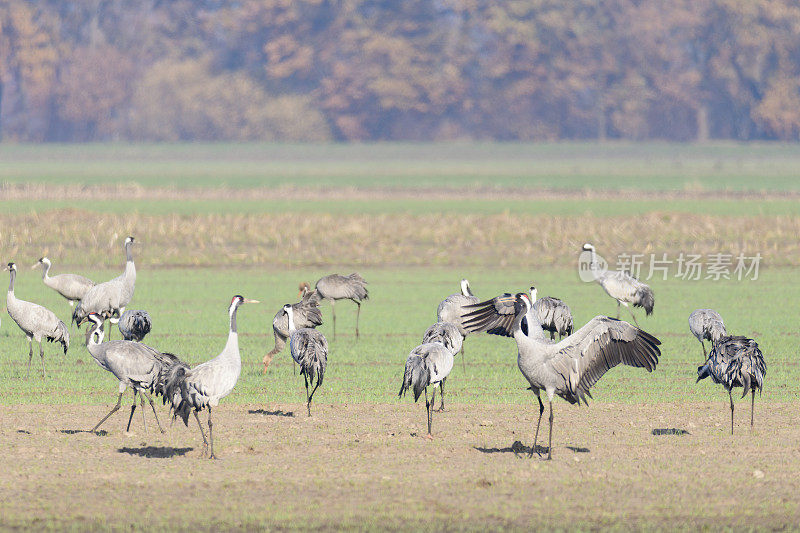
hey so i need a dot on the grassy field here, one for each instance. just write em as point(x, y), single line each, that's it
point(217, 220)
point(769, 167)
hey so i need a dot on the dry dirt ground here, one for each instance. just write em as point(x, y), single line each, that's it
point(365, 466)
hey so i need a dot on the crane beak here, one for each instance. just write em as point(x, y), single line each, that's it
point(32, 266)
point(249, 301)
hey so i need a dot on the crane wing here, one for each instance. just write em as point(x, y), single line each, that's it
point(494, 316)
point(603, 343)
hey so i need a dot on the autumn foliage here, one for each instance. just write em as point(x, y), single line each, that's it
point(319, 70)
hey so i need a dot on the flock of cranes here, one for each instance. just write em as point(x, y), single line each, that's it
point(567, 368)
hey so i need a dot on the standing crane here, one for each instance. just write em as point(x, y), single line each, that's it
point(337, 287)
point(452, 307)
point(134, 325)
point(134, 364)
point(736, 361)
point(623, 287)
point(309, 349)
point(448, 335)
point(427, 364)
point(554, 316)
point(35, 321)
point(110, 298)
point(70, 286)
point(706, 324)
point(202, 387)
point(571, 366)
point(307, 314)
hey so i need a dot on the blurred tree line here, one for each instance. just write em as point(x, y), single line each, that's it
point(316, 70)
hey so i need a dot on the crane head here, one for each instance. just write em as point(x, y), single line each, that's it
point(11, 267)
point(588, 247)
point(129, 240)
point(304, 286)
point(41, 261)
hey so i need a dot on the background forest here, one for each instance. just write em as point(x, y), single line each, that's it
point(344, 70)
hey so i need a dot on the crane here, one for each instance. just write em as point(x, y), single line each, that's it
point(449, 335)
point(134, 364)
point(427, 364)
point(736, 361)
point(554, 316)
point(110, 298)
point(189, 390)
point(309, 349)
point(623, 287)
point(70, 286)
point(134, 325)
point(307, 314)
point(337, 287)
point(706, 324)
point(571, 366)
point(35, 321)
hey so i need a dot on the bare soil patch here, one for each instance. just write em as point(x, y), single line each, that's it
point(368, 466)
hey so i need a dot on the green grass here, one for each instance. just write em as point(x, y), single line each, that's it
point(654, 166)
point(383, 205)
point(188, 307)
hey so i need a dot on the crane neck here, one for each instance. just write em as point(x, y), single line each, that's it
point(232, 346)
point(290, 315)
point(94, 336)
point(526, 324)
point(45, 270)
point(11, 283)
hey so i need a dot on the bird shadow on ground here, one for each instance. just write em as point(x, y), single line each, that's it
point(159, 452)
point(670, 431)
point(270, 413)
point(101, 433)
point(578, 449)
point(517, 449)
point(24, 431)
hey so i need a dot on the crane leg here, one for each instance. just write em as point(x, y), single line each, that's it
point(30, 357)
point(133, 409)
point(705, 353)
point(203, 433)
point(538, 423)
point(618, 306)
point(463, 362)
point(141, 404)
point(358, 314)
point(441, 387)
point(210, 435)
point(752, 405)
point(311, 396)
point(41, 356)
point(333, 314)
point(731, 398)
point(430, 412)
point(634, 317)
point(113, 410)
point(153, 406)
point(550, 438)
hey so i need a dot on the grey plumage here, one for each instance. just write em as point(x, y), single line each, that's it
point(448, 335)
point(71, 286)
point(452, 307)
point(337, 287)
point(309, 349)
point(134, 364)
point(736, 361)
point(307, 314)
point(134, 325)
point(37, 322)
point(570, 367)
point(189, 390)
point(427, 364)
point(706, 324)
point(554, 316)
point(110, 298)
point(623, 287)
